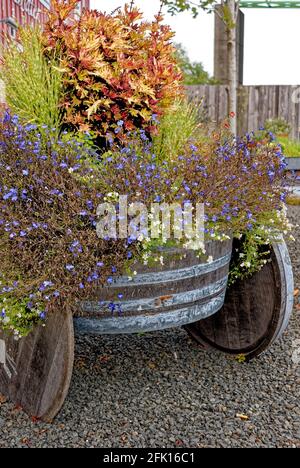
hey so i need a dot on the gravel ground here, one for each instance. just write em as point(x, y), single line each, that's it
point(161, 390)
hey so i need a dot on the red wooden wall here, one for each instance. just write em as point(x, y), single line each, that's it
point(26, 12)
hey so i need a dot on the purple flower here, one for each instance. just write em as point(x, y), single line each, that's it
point(70, 267)
point(12, 195)
point(42, 315)
point(45, 285)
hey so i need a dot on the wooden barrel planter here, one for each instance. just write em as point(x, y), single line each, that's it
point(182, 290)
point(35, 372)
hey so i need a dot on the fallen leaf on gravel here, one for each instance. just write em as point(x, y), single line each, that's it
point(241, 358)
point(104, 358)
point(34, 419)
point(80, 363)
point(26, 441)
point(242, 417)
point(40, 431)
point(151, 365)
point(179, 443)
point(296, 292)
point(2, 399)
point(298, 307)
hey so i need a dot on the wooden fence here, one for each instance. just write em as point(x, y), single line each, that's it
point(256, 104)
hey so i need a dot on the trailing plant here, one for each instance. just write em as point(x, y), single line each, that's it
point(240, 183)
point(33, 83)
point(114, 67)
point(51, 255)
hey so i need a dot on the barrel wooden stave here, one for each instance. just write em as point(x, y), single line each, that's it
point(256, 311)
point(36, 371)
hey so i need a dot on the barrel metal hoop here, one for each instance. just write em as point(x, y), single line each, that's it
point(287, 285)
point(172, 275)
point(150, 303)
point(148, 323)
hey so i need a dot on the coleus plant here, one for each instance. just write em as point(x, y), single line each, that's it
point(115, 67)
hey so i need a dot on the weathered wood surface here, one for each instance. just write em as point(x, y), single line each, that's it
point(183, 290)
point(35, 372)
point(256, 311)
point(293, 164)
point(256, 104)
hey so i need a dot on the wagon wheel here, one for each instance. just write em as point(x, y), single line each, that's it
point(35, 372)
point(256, 310)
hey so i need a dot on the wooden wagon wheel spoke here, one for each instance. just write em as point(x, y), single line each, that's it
point(256, 310)
point(35, 372)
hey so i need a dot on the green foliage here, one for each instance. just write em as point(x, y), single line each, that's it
point(227, 17)
point(177, 126)
point(193, 72)
point(115, 67)
point(18, 316)
point(177, 6)
point(280, 129)
point(290, 148)
point(33, 83)
point(278, 126)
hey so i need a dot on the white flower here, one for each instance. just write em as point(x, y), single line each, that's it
point(210, 259)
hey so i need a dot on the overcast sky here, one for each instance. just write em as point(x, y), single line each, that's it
point(272, 39)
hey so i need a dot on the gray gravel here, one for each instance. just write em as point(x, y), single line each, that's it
point(161, 390)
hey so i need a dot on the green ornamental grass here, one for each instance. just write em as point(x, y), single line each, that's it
point(33, 83)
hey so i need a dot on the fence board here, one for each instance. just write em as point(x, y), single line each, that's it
point(256, 104)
